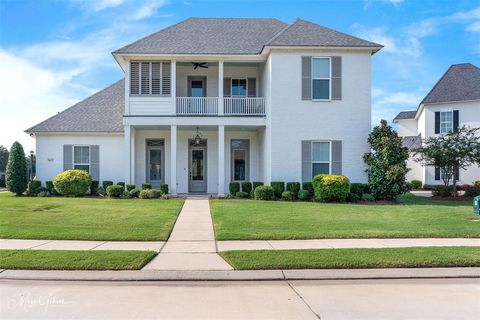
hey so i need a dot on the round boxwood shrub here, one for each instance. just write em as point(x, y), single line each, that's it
point(146, 186)
point(17, 172)
point(129, 187)
point(293, 187)
point(106, 183)
point(304, 195)
point(150, 194)
point(100, 191)
point(121, 184)
point(278, 188)
point(242, 194)
point(353, 197)
point(416, 184)
point(256, 184)
point(93, 187)
point(134, 193)
point(115, 191)
point(72, 182)
point(247, 187)
point(234, 187)
point(33, 187)
point(164, 188)
point(264, 193)
point(309, 187)
point(368, 197)
point(331, 188)
point(288, 196)
point(358, 189)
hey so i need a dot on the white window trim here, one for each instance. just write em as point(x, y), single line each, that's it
point(89, 156)
point(451, 121)
point(231, 88)
point(329, 155)
point(329, 79)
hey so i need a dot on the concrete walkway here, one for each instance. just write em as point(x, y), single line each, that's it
point(191, 245)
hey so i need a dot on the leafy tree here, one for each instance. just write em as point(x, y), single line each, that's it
point(17, 172)
point(3, 158)
point(387, 163)
point(454, 150)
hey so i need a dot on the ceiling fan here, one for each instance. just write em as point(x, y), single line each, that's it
point(199, 64)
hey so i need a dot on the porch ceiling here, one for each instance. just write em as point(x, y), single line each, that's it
point(200, 127)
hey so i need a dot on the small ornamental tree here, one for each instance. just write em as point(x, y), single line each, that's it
point(17, 171)
point(387, 166)
point(450, 152)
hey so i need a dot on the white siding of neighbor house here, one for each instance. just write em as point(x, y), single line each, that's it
point(407, 127)
point(294, 120)
point(49, 152)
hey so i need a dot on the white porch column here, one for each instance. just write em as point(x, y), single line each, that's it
point(221, 160)
point(220, 87)
point(173, 85)
point(128, 154)
point(173, 159)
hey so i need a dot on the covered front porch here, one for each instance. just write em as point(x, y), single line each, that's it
point(194, 158)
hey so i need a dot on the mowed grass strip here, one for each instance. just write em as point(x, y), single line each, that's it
point(74, 260)
point(58, 218)
point(413, 217)
point(418, 257)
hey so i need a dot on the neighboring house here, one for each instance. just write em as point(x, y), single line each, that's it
point(453, 102)
point(209, 101)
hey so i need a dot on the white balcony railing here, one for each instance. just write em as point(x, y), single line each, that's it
point(244, 106)
point(197, 106)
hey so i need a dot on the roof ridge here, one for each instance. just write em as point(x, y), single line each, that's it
point(436, 84)
point(280, 32)
point(29, 130)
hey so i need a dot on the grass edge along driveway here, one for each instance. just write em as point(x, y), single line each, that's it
point(58, 218)
point(417, 257)
point(413, 217)
point(74, 259)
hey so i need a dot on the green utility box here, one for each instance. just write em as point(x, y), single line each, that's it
point(476, 205)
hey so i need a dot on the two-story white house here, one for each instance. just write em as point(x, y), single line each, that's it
point(213, 100)
point(453, 102)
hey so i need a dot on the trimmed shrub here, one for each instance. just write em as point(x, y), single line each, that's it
point(106, 183)
point(309, 187)
point(150, 194)
point(121, 184)
point(129, 187)
point(33, 187)
point(247, 187)
point(472, 191)
point(304, 195)
point(416, 184)
point(288, 196)
point(146, 186)
point(72, 182)
point(331, 188)
point(115, 191)
point(264, 193)
point(164, 188)
point(278, 188)
point(353, 197)
point(134, 193)
point(234, 187)
point(256, 184)
point(293, 187)
point(49, 187)
point(101, 191)
point(242, 194)
point(94, 187)
point(368, 197)
point(358, 189)
point(442, 191)
point(17, 170)
point(43, 193)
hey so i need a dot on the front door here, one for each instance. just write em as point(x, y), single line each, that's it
point(198, 169)
point(154, 166)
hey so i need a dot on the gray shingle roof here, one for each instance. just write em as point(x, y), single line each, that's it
point(101, 112)
point(461, 82)
point(412, 142)
point(306, 33)
point(238, 36)
point(405, 115)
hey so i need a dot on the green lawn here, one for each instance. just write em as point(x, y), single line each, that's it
point(59, 218)
point(354, 258)
point(413, 217)
point(74, 260)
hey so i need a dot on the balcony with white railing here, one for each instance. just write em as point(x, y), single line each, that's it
point(192, 106)
point(244, 106)
point(209, 106)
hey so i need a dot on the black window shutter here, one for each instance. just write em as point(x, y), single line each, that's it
point(455, 120)
point(437, 173)
point(437, 123)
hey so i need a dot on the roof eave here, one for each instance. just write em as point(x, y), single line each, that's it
point(309, 47)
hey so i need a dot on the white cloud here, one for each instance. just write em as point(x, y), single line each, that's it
point(148, 9)
point(97, 5)
point(368, 3)
point(474, 27)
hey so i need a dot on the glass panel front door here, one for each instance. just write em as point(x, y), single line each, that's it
point(197, 165)
point(155, 165)
point(198, 179)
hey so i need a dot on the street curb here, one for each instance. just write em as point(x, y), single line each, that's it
point(242, 275)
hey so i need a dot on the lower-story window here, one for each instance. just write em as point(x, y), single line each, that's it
point(240, 162)
point(81, 158)
point(321, 159)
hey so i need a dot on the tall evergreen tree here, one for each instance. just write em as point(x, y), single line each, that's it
point(17, 171)
point(387, 163)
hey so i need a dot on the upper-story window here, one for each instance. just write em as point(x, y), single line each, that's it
point(446, 121)
point(150, 78)
point(321, 78)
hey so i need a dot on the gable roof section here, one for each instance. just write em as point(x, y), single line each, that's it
point(461, 82)
point(412, 142)
point(241, 36)
point(306, 33)
point(404, 115)
point(101, 112)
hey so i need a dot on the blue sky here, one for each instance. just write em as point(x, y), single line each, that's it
point(53, 53)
